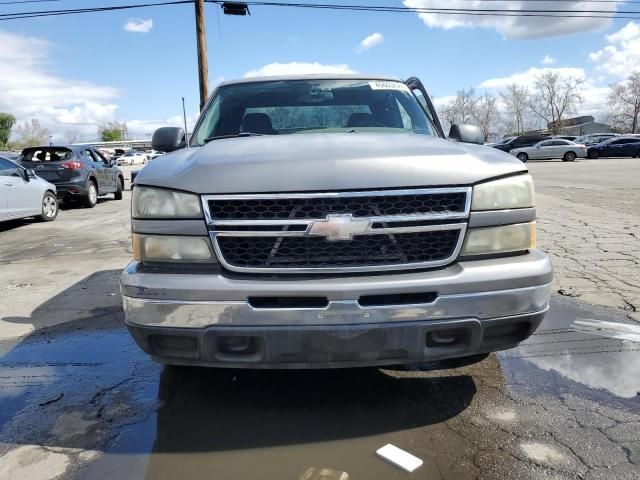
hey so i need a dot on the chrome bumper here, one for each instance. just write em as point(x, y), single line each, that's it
point(479, 289)
point(196, 319)
point(203, 314)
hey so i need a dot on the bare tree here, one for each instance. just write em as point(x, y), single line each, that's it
point(31, 133)
point(72, 136)
point(624, 104)
point(486, 114)
point(465, 105)
point(460, 109)
point(515, 99)
point(447, 116)
point(554, 98)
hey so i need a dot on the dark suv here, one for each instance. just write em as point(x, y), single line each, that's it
point(78, 172)
point(519, 142)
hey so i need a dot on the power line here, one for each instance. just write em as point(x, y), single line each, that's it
point(495, 12)
point(492, 12)
point(50, 13)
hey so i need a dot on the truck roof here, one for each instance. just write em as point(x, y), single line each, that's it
point(318, 76)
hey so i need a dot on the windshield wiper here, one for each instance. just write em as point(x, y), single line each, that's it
point(234, 135)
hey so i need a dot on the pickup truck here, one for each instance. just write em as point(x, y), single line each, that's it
point(327, 221)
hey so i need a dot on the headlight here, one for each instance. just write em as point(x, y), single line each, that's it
point(149, 202)
point(163, 248)
point(507, 238)
point(510, 192)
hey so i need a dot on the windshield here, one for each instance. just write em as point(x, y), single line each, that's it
point(312, 106)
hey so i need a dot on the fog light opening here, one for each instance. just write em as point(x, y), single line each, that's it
point(236, 345)
point(447, 338)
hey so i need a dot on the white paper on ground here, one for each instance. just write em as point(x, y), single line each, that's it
point(400, 458)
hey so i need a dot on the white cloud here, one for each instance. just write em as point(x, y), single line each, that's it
point(527, 78)
point(514, 26)
point(594, 96)
point(30, 90)
point(370, 41)
point(298, 68)
point(622, 54)
point(548, 60)
point(138, 25)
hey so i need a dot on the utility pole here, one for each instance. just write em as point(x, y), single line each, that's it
point(203, 69)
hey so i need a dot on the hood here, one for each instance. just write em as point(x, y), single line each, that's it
point(324, 162)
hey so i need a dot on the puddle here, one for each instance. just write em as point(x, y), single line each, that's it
point(152, 422)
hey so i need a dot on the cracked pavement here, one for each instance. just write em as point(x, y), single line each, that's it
point(79, 400)
point(589, 222)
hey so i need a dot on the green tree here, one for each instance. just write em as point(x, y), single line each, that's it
point(6, 124)
point(113, 132)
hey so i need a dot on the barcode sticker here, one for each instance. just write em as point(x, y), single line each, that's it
point(387, 85)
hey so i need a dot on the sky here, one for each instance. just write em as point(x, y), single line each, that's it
point(76, 72)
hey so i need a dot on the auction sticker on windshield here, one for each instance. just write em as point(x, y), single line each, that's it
point(383, 85)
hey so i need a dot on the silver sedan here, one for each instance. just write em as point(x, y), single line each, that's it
point(23, 194)
point(553, 148)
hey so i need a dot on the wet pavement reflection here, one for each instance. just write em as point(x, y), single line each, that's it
point(564, 404)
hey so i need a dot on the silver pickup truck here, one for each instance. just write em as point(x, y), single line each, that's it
point(326, 221)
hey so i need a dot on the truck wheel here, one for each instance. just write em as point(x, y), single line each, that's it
point(523, 157)
point(569, 157)
point(593, 154)
point(49, 207)
point(119, 188)
point(91, 197)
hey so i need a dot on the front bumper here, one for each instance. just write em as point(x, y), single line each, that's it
point(198, 319)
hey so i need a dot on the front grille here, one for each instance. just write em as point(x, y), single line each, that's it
point(319, 207)
point(338, 232)
point(362, 251)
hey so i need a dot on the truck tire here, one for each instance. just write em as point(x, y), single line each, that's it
point(91, 197)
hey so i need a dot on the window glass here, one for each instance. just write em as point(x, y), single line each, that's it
point(8, 169)
point(312, 106)
point(40, 155)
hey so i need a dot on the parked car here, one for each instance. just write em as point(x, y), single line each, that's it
point(23, 194)
point(79, 172)
point(280, 238)
point(152, 154)
point(10, 155)
point(549, 149)
point(132, 158)
point(519, 142)
point(595, 138)
point(616, 147)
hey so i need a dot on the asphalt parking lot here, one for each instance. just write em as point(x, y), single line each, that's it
point(79, 400)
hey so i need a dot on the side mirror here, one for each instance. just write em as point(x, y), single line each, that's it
point(168, 139)
point(112, 162)
point(466, 134)
point(29, 174)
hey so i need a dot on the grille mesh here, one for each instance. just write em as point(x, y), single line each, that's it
point(315, 208)
point(317, 252)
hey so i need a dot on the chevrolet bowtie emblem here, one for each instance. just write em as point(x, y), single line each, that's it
point(339, 227)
